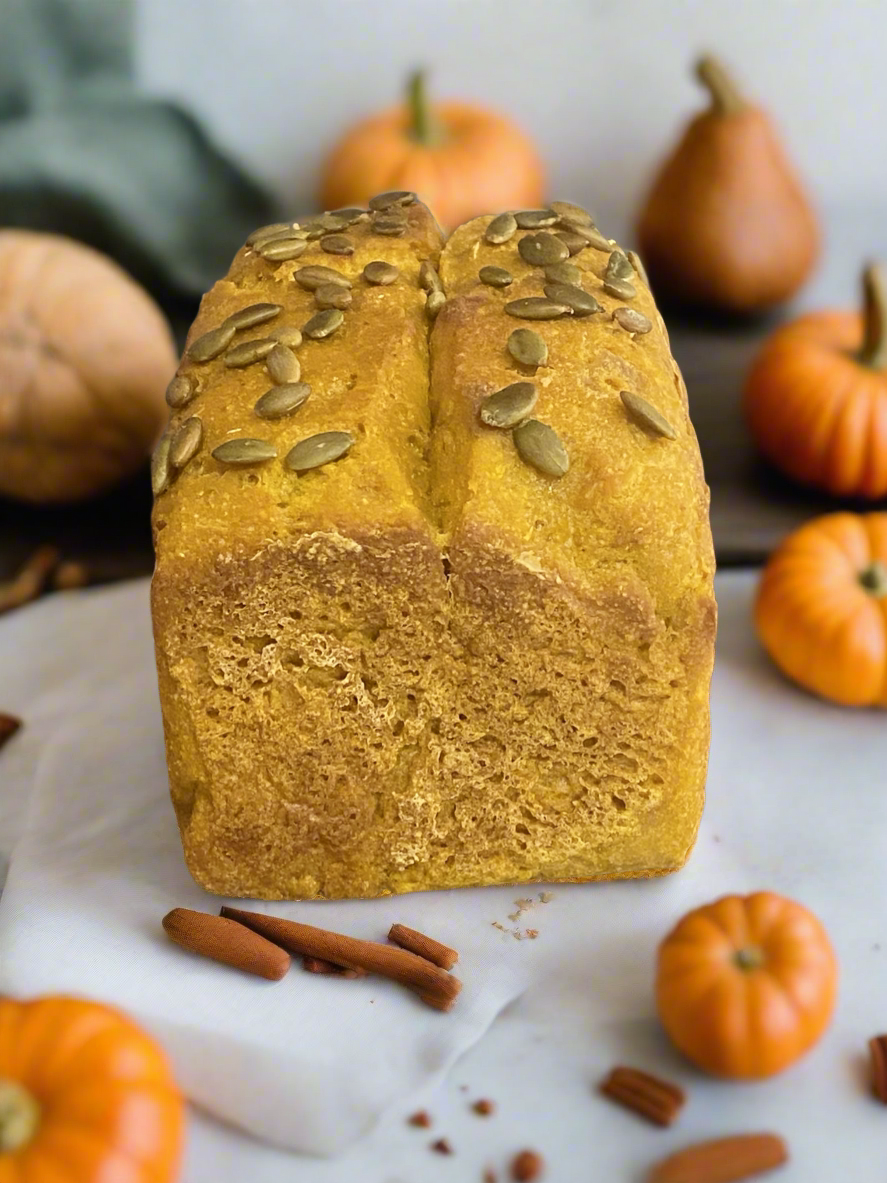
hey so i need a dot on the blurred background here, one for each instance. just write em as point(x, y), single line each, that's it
point(160, 132)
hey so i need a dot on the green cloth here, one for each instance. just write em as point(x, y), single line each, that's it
point(83, 154)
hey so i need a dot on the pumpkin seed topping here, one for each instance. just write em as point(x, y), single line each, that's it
point(533, 219)
point(272, 230)
point(572, 213)
point(632, 321)
point(434, 301)
point(160, 465)
point(495, 277)
point(283, 400)
point(618, 267)
point(542, 249)
point(540, 446)
point(329, 223)
point(384, 201)
point(389, 224)
point(380, 273)
point(620, 288)
point(248, 352)
point(279, 250)
point(282, 365)
point(564, 273)
point(313, 276)
point(500, 229)
point(180, 391)
point(318, 450)
point(254, 314)
point(536, 308)
point(635, 259)
point(323, 324)
point(337, 244)
point(646, 415)
point(428, 277)
point(591, 234)
point(573, 242)
point(332, 295)
point(351, 214)
point(244, 451)
point(509, 406)
point(186, 441)
point(583, 303)
point(527, 347)
point(211, 344)
point(287, 335)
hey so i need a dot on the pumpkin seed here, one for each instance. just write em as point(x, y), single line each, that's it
point(332, 295)
point(350, 214)
point(434, 301)
point(573, 242)
point(618, 267)
point(509, 406)
point(591, 234)
point(495, 277)
point(380, 273)
point(620, 288)
point(646, 415)
point(244, 451)
point(211, 344)
point(384, 201)
point(428, 277)
point(329, 223)
point(186, 441)
point(283, 366)
point(542, 249)
point(632, 321)
point(536, 308)
point(287, 335)
point(500, 229)
point(563, 273)
point(636, 262)
point(279, 250)
point(160, 466)
point(272, 230)
point(389, 225)
point(583, 303)
point(280, 401)
point(247, 352)
point(337, 244)
point(312, 277)
point(540, 445)
point(572, 213)
point(180, 391)
point(254, 314)
point(532, 219)
point(527, 347)
point(323, 324)
point(311, 231)
point(318, 450)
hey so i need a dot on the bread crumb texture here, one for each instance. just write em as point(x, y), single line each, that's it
point(427, 665)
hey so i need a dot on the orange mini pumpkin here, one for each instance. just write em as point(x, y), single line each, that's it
point(461, 159)
point(85, 1097)
point(821, 611)
point(816, 397)
point(746, 985)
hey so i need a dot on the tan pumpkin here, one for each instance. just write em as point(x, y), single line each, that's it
point(821, 610)
point(85, 357)
point(727, 224)
point(816, 397)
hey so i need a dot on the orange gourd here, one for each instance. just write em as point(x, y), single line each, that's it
point(821, 610)
point(746, 985)
point(816, 397)
point(85, 1097)
point(462, 160)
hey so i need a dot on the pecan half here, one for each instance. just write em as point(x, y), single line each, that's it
point(657, 1100)
point(878, 1054)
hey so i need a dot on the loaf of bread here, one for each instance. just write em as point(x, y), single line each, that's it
point(419, 633)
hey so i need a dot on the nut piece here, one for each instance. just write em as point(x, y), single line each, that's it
point(422, 1119)
point(878, 1056)
point(484, 1107)
point(657, 1100)
point(441, 1146)
point(9, 725)
point(527, 1166)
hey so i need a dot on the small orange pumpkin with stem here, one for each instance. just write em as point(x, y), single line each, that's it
point(746, 985)
point(85, 1097)
point(821, 609)
point(461, 159)
point(816, 397)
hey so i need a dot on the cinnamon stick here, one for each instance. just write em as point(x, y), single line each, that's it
point(433, 985)
point(225, 941)
point(423, 946)
point(30, 581)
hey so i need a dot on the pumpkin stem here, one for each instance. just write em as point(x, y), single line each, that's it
point(874, 313)
point(725, 96)
point(874, 579)
point(751, 957)
point(424, 128)
point(19, 1117)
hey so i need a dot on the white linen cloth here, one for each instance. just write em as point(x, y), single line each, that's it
point(797, 802)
